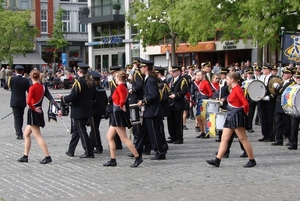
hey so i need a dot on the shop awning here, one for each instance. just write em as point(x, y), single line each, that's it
point(30, 59)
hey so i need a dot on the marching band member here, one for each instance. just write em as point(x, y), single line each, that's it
point(201, 89)
point(113, 85)
point(191, 74)
point(152, 114)
point(238, 107)
point(267, 108)
point(82, 96)
point(187, 98)
point(35, 117)
point(120, 120)
point(295, 122)
point(179, 88)
point(257, 76)
point(215, 86)
point(282, 120)
point(207, 68)
point(99, 110)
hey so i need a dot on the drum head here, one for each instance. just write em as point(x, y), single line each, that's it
point(256, 90)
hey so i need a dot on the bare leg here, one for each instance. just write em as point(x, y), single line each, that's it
point(122, 134)
point(184, 115)
point(27, 140)
point(37, 135)
point(227, 132)
point(111, 133)
point(241, 133)
point(201, 123)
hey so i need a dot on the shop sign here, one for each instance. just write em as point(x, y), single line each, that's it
point(106, 40)
point(229, 46)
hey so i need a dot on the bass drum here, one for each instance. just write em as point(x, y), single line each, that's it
point(290, 100)
point(256, 89)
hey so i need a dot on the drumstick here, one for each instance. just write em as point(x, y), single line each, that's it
point(65, 125)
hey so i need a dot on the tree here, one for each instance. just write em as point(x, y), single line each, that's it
point(58, 41)
point(155, 23)
point(17, 36)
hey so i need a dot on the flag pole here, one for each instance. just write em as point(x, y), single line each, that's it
point(281, 49)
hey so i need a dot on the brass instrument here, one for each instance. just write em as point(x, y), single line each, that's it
point(271, 82)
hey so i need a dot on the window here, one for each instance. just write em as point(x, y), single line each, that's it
point(24, 4)
point(82, 27)
point(82, 0)
point(44, 22)
point(66, 21)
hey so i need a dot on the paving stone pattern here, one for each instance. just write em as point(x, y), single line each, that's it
point(183, 176)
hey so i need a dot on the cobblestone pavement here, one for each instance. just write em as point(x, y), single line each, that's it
point(183, 176)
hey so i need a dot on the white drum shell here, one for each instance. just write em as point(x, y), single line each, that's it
point(212, 106)
point(256, 89)
point(295, 98)
point(220, 120)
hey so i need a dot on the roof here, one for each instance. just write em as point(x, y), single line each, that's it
point(30, 59)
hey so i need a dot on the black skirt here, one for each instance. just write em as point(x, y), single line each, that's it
point(36, 119)
point(120, 118)
point(236, 117)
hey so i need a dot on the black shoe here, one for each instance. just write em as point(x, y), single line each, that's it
point(251, 131)
point(178, 142)
point(192, 118)
point(110, 163)
point(46, 160)
point(244, 155)
point(277, 143)
point(130, 155)
point(23, 159)
point(86, 156)
point(214, 162)
point(197, 129)
point(137, 162)
point(20, 137)
point(293, 147)
point(270, 139)
point(251, 163)
point(147, 152)
point(170, 141)
point(202, 135)
point(263, 139)
point(185, 128)
point(69, 154)
point(217, 140)
point(96, 151)
point(159, 157)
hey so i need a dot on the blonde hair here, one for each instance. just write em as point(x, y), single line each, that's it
point(121, 75)
point(35, 74)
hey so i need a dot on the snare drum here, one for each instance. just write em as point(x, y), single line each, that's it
point(256, 89)
point(212, 106)
point(220, 120)
point(290, 100)
point(135, 114)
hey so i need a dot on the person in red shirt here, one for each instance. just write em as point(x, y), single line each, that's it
point(120, 120)
point(236, 120)
point(200, 89)
point(35, 117)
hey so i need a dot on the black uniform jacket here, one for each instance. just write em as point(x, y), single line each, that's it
point(18, 85)
point(82, 98)
point(180, 88)
point(151, 98)
point(99, 104)
point(137, 87)
point(278, 108)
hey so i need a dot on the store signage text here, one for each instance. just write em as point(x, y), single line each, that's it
point(229, 45)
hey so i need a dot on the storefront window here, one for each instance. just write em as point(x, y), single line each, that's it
point(98, 62)
point(105, 62)
point(114, 59)
point(179, 59)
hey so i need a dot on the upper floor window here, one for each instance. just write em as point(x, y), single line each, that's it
point(25, 4)
point(82, 27)
point(44, 22)
point(66, 20)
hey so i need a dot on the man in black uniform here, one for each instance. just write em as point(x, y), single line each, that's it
point(282, 120)
point(178, 90)
point(152, 114)
point(99, 111)
point(18, 85)
point(267, 108)
point(82, 96)
point(113, 86)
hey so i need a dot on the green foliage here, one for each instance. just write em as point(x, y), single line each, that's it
point(58, 41)
point(17, 35)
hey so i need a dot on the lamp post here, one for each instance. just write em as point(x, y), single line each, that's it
point(281, 49)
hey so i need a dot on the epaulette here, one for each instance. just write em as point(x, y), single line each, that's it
point(77, 84)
